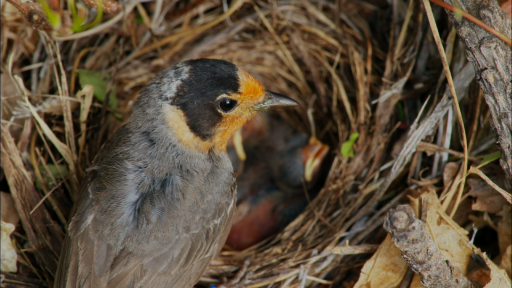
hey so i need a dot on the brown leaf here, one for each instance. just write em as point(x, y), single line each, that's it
point(505, 238)
point(488, 199)
point(506, 263)
point(378, 273)
point(481, 276)
point(491, 204)
point(450, 170)
point(449, 237)
point(499, 277)
point(484, 177)
point(9, 213)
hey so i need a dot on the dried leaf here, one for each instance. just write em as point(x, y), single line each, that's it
point(9, 256)
point(487, 198)
point(504, 230)
point(496, 187)
point(448, 236)
point(85, 95)
point(378, 273)
point(9, 213)
point(499, 278)
point(491, 204)
point(506, 262)
point(480, 275)
point(450, 171)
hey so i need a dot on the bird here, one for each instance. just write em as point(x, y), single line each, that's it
point(297, 165)
point(272, 192)
point(262, 215)
point(294, 156)
point(159, 199)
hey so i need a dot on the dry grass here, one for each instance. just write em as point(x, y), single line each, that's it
point(351, 65)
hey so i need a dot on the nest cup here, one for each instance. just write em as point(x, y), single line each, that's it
point(317, 52)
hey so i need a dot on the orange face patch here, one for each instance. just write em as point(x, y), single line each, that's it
point(177, 121)
point(250, 88)
point(251, 94)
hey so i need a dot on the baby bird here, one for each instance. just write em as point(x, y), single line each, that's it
point(272, 191)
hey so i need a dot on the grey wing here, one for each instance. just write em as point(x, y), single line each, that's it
point(82, 246)
point(185, 260)
point(67, 274)
point(88, 259)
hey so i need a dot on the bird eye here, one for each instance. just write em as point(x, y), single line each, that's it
point(227, 104)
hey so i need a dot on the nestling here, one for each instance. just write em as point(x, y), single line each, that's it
point(271, 193)
point(158, 202)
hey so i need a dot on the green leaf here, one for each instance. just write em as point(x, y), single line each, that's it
point(52, 16)
point(78, 15)
point(486, 159)
point(347, 147)
point(118, 116)
point(100, 84)
point(58, 171)
point(98, 17)
point(76, 25)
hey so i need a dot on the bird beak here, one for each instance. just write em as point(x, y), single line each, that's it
point(275, 100)
point(314, 154)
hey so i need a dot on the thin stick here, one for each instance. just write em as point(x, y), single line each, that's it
point(48, 195)
point(471, 18)
point(504, 193)
point(474, 125)
point(446, 67)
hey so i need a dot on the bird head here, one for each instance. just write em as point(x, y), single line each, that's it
point(206, 100)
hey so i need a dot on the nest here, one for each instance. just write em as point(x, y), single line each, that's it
point(347, 62)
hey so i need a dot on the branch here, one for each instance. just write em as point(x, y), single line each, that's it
point(492, 60)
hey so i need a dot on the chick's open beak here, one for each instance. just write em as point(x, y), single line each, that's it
point(274, 99)
point(314, 154)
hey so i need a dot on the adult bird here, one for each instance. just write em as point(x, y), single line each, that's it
point(158, 202)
